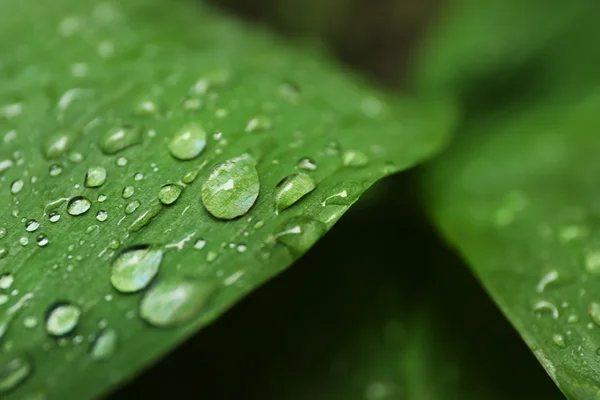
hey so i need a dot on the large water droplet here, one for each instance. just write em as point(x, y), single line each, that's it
point(6, 280)
point(13, 372)
point(118, 139)
point(95, 177)
point(32, 225)
point(292, 189)
point(231, 188)
point(173, 302)
point(62, 318)
point(104, 345)
point(145, 217)
point(355, 158)
point(134, 268)
point(299, 233)
point(188, 143)
point(169, 193)
point(78, 205)
point(56, 145)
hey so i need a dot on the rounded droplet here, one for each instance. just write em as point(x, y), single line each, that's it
point(6, 280)
point(594, 311)
point(355, 158)
point(3, 252)
point(169, 193)
point(134, 268)
point(54, 216)
point(120, 138)
point(78, 205)
point(17, 186)
point(292, 189)
point(299, 233)
point(56, 145)
point(101, 215)
point(131, 207)
point(42, 240)
point(55, 170)
point(306, 164)
point(559, 340)
point(173, 302)
point(32, 225)
point(188, 143)
point(231, 188)
point(259, 124)
point(13, 372)
point(95, 177)
point(104, 346)
point(121, 162)
point(199, 244)
point(146, 217)
point(62, 318)
point(128, 191)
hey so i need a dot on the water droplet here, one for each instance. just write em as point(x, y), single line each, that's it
point(16, 186)
point(292, 189)
point(169, 193)
point(559, 340)
point(332, 148)
point(592, 262)
point(101, 198)
point(42, 240)
point(62, 318)
point(3, 252)
point(32, 225)
point(594, 311)
point(355, 158)
point(173, 302)
point(241, 248)
point(30, 322)
point(211, 256)
point(146, 108)
point(188, 143)
point(5, 164)
point(131, 207)
point(573, 319)
point(128, 191)
point(259, 224)
point(259, 124)
point(54, 216)
point(134, 268)
point(299, 233)
point(76, 157)
point(138, 177)
point(344, 194)
point(95, 177)
point(231, 188)
point(6, 280)
point(118, 139)
point(101, 215)
point(55, 170)
point(200, 243)
point(190, 176)
point(306, 164)
point(56, 145)
point(545, 306)
point(23, 241)
point(3, 232)
point(104, 346)
point(121, 162)
point(548, 278)
point(13, 372)
point(289, 91)
point(78, 205)
point(145, 217)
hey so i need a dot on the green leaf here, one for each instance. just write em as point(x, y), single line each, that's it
point(519, 199)
point(123, 94)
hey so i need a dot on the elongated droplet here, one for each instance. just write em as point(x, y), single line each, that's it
point(594, 311)
point(32, 225)
point(231, 188)
point(355, 158)
point(105, 345)
point(58, 144)
point(292, 189)
point(306, 164)
point(13, 372)
point(128, 191)
point(6, 280)
point(188, 143)
point(134, 268)
point(132, 206)
point(173, 302)
point(299, 233)
point(169, 193)
point(145, 217)
point(118, 139)
point(78, 205)
point(95, 177)
point(62, 318)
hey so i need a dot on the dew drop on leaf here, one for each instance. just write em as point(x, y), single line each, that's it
point(190, 176)
point(188, 143)
point(594, 311)
point(145, 217)
point(3, 252)
point(95, 177)
point(131, 207)
point(42, 240)
point(559, 340)
point(6, 280)
point(173, 302)
point(291, 189)
point(62, 318)
point(104, 346)
point(231, 188)
point(16, 186)
point(134, 268)
point(56, 145)
point(13, 372)
point(120, 138)
point(55, 170)
point(299, 233)
point(128, 191)
point(259, 124)
point(32, 225)
point(54, 216)
point(355, 158)
point(3, 232)
point(78, 205)
point(592, 262)
point(199, 244)
point(169, 193)
point(306, 164)
point(101, 216)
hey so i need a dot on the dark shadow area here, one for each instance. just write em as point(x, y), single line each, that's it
point(379, 309)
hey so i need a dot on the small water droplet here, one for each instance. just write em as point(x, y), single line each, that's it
point(3, 252)
point(102, 215)
point(54, 216)
point(145, 217)
point(548, 278)
point(190, 176)
point(134, 268)
point(174, 302)
point(16, 186)
point(78, 205)
point(299, 233)
point(32, 225)
point(131, 207)
point(200, 243)
point(169, 193)
point(146, 107)
point(95, 177)
point(104, 346)
point(292, 189)
point(559, 340)
point(128, 191)
point(75, 157)
point(3, 232)
point(231, 188)
point(30, 322)
point(6, 280)
point(121, 162)
point(119, 139)
point(42, 240)
point(355, 158)
point(241, 248)
point(259, 124)
point(211, 256)
point(573, 319)
point(332, 148)
point(62, 318)
point(545, 306)
point(23, 241)
point(55, 170)
point(594, 311)
point(13, 372)
point(188, 143)
point(138, 177)
point(101, 198)
point(306, 164)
